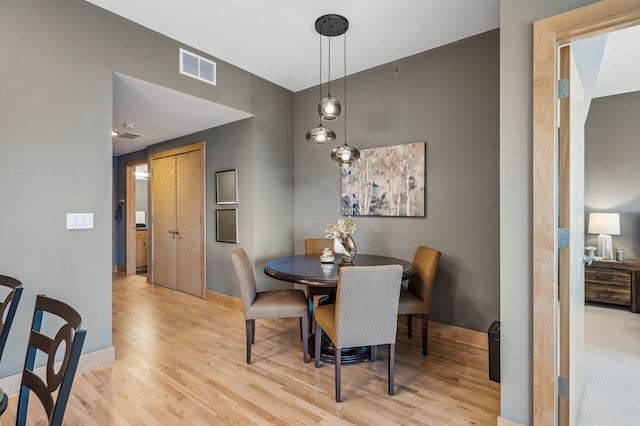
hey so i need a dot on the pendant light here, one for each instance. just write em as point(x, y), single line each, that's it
point(329, 107)
point(320, 134)
point(345, 154)
point(330, 25)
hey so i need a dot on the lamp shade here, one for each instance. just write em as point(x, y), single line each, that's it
point(321, 134)
point(604, 223)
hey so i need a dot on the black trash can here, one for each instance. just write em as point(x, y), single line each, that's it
point(494, 351)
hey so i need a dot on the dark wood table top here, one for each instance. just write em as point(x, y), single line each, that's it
point(307, 268)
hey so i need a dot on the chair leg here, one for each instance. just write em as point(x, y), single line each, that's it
point(248, 333)
point(316, 354)
point(425, 332)
point(392, 363)
point(311, 311)
point(304, 329)
point(374, 353)
point(253, 331)
point(338, 359)
point(409, 318)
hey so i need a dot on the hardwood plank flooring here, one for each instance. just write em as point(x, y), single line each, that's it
point(180, 360)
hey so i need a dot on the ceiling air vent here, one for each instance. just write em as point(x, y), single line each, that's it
point(197, 67)
point(128, 135)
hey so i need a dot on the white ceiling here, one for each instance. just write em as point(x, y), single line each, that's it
point(277, 41)
point(160, 114)
point(620, 68)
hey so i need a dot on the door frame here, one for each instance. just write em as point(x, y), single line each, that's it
point(548, 35)
point(130, 216)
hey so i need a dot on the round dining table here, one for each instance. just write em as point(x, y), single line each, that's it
point(308, 270)
point(318, 276)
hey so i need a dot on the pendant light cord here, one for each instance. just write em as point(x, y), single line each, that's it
point(345, 87)
point(329, 74)
point(320, 84)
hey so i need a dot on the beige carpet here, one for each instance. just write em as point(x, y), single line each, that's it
point(611, 394)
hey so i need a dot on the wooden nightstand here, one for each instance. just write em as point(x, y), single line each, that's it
point(608, 281)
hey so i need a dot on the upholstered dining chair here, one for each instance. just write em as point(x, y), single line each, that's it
point(416, 298)
point(316, 246)
point(365, 314)
point(12, 288)
point(54, 387)
point(267, 304)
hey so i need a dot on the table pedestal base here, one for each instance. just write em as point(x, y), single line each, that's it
point(328, 351)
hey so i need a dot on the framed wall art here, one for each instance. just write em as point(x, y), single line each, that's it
point(386, 181)
point(227, 225)
point(227, 187)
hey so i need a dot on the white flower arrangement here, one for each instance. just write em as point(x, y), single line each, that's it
point(342, 229)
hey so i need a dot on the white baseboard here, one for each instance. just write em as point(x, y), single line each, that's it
point(88, 361)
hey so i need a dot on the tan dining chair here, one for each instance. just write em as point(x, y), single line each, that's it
point(365, 314)
point(416, 298)
point(316, 246)
point(267, 304)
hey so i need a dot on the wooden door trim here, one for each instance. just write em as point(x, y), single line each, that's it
point(198, 146)
point(130, 216)
point(548, 35)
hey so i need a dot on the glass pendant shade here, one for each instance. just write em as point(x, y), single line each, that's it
point(345, 154)
point(321, 134)
point(329, 108)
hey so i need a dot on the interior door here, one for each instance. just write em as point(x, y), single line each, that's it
point(177, 226)
point(571, 218)
point(163, 201)
point(189, 223)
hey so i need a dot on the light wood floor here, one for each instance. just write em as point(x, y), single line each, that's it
point(180, 360)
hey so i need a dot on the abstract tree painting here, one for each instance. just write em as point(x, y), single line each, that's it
point(386, 181)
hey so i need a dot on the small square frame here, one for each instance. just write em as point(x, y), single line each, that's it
point(227, 225)
point(227, 187)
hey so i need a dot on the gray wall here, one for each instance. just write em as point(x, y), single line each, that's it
point(516, 81)
point(449, 98)
point(55, 113)
point(612, 171)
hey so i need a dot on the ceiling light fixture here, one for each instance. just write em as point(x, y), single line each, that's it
point(329, 107)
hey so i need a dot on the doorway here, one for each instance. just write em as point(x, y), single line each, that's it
point(549, 34)
point(137, 214)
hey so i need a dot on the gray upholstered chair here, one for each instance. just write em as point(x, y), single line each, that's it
point(267, 304)
point(365, 314)
point(416, 298)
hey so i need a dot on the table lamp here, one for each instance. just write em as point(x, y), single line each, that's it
point(605, 225)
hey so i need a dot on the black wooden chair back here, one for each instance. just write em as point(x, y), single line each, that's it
point(59, 379)
point(8, 307)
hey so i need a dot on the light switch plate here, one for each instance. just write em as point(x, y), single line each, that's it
point(79, 220)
